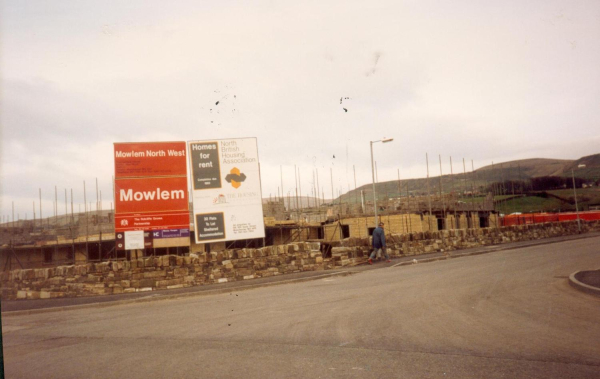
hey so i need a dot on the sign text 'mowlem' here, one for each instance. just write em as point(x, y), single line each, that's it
point(129, 195)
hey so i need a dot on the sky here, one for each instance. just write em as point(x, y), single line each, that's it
point(313, 81)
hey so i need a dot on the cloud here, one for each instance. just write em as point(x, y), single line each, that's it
point(484, 82)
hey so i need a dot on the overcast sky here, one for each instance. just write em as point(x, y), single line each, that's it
point(482, 80)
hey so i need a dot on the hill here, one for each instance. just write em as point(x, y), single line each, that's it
point(590, 171)
point(294, 202)
point(529, 168)
point(523, 169)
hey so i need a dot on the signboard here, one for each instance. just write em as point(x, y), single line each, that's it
point(134, 239)
point(121, 236)
point(151, 193)
point(150, 159)
point(170, 233)
point(158, 220)
point(226, 190)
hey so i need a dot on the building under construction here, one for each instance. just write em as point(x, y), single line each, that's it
point(90, 236)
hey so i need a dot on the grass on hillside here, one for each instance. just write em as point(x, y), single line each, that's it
point(585, 198)
point(532, 204)
point(584, 195)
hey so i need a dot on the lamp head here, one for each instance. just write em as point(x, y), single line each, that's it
point(384, 140)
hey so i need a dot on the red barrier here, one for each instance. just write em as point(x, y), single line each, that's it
point(539, 218)
point(587, 216)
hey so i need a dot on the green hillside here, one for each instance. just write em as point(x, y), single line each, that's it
point(480, 179)
point(552, 201)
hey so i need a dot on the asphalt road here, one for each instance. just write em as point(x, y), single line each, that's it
point(507, 314)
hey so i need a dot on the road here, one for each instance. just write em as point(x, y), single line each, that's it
point(507, 314)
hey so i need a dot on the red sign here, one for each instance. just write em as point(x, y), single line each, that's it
point(151, 190)
point(147, 195)
point(144, 221)
point(144, 159)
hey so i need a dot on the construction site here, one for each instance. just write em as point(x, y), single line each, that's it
point(90, 236)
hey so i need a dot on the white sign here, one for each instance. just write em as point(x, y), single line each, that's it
point(134, 239)
point(226, 190)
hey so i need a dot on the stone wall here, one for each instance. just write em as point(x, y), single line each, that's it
point(356, 250)
point(165, 272)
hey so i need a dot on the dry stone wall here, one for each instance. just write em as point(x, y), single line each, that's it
point(167, 272)
point(356, 250)
point(163, 272)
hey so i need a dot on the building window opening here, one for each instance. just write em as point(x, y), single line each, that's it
point(441, 224)
point(93, 252)
point(345, 231)
point(484, 222)
point(48, 255)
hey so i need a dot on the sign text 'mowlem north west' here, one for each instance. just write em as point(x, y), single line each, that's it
point(150, 159)
point(149, 153)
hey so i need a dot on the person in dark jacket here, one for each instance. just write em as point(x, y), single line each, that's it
point(379, 243)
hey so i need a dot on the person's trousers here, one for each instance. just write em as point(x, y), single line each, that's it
point(374, 253)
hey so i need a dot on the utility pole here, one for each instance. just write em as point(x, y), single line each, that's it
point(399, 190)
point(428, 191)
point(355, 192)
point(472, 186)
point(55, 206)
point(453, 191)
point(318, 186)
point(300, 187)
point(475, 177)
point(332, 196)
point(314, 188)
point(41, 224)
point(465, 174)
point(442, 193)
point(72, 216)
point(576, 207)
point(87, 226)
point(296, 188)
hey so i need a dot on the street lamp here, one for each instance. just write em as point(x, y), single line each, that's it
point(384, 140)
point(575, 192)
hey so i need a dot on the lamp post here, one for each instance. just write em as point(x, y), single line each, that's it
point(384, 140)
point(575, 193)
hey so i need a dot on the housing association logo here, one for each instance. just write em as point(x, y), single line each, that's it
point(220, 199)
point(235, 177)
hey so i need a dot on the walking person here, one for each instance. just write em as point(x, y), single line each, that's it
point(379, 243)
